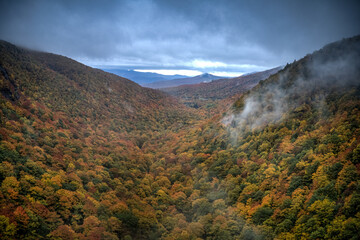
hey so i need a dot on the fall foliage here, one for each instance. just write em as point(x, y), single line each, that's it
point(86, 154)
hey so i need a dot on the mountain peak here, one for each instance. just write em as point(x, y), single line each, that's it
point(206, 75)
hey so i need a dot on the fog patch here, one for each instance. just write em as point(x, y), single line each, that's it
point(307, 81)
point(128, 106)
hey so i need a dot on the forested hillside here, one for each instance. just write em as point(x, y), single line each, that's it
point(88, 155)
point(60, 118)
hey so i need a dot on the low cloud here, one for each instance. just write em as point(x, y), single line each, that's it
point(198, 63)
point(306, 81)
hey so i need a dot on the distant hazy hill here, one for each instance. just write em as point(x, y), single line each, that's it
point(206, 77)
point(196, 95)
point(142, 78)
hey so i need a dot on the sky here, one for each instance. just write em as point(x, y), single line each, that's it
point(228, 37)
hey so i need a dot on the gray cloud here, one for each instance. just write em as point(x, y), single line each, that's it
point(162, 33)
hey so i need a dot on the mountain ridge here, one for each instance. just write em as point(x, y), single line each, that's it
point(141, 78)
point(82, 80)
point(205, 77)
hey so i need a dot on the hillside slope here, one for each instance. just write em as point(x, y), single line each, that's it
point(284, 163)
point(64, 85)
point(296, 138)
point(69, 136)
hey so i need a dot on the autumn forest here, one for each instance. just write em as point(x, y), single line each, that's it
point(86, 154)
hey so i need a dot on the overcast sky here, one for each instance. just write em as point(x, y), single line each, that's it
point(238, 36)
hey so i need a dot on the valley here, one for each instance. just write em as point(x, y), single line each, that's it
point(86, 154)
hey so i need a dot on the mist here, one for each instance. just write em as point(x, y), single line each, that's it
point(307, 81)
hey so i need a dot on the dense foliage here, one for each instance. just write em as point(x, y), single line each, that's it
point(88, 155)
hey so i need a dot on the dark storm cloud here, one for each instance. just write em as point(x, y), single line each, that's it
point(174, 33)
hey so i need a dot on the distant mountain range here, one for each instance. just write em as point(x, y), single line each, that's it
point(142, 78)
point(203, 78)
point(220, 88)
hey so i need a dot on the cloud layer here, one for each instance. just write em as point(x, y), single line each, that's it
point(174, 34)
